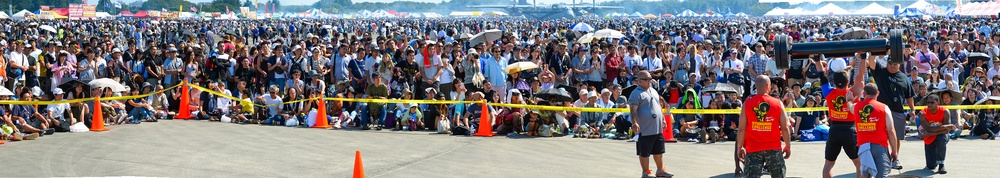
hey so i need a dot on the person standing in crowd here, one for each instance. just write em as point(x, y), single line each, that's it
point(936, 125)
point(761, 132)
point(896, 86)
point(644, 109)
point(878, 145)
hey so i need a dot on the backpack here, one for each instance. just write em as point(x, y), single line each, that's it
point(461, 130)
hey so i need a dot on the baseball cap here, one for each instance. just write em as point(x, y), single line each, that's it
point(57, 91)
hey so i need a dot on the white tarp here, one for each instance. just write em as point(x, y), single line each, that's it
point(3, 15)
point(688, 13)
point(830, 9)
point(103, 15)
point(874, 9)
point(23, 14)
point(785, 12)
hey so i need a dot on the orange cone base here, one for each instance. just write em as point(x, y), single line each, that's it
point(359, 169)
point(485, 127)
point(321, 120)
point(668, 130)
point(97, 121)
point(99, 130)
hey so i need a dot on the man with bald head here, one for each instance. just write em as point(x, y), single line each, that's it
point(763, 126)
point(645, 109)
point(896, 89)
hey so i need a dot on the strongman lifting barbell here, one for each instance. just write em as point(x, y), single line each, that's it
point(785, 51)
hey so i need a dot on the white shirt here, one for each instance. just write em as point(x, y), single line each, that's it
point(993, 72)
point(448, 73)
point(223, 103)
point(19, 59)
point(274, 104)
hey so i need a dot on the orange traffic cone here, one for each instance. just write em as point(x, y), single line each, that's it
point(668, 130)
point(359, 170)
point(485, 128)
point(97, 121)
point(321, 121)
point(185, 111)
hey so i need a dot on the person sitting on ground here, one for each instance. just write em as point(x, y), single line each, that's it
point(273, 102)
point(988, 124)
point(509, 121)
point(412, 118)
point(141, 107)
point(207, 109)
point(292, 111)
point(158, 101)
point(690, 128)
point(27, 119)
point(713, 123)
point(377, 90)
point(805, 122)
point(58, 113)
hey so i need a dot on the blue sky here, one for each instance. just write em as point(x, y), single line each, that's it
point(310, 2)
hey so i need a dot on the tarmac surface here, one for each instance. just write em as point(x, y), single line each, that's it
point(175, 148)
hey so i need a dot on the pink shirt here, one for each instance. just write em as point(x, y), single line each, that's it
point(923, 61)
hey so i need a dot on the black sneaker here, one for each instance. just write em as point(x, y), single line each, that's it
point(365, 128)
point(941, 169)
point(50, 131)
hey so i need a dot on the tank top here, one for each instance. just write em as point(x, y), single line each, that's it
point(870, 121)
point(763, 116)
point(932, 119)
point(836, 102)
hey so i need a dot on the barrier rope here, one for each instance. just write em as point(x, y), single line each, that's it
point(80, 100)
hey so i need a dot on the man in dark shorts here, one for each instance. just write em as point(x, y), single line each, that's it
point(648, 123)
point(896, 89)
point(762, 129)
point(843, 136)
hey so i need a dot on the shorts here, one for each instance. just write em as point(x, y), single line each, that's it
point(899, 123)
point(878, 155)
point(756, 161)
point(650, 145)
point(842, 137)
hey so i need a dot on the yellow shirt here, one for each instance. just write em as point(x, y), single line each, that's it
point(247, 105)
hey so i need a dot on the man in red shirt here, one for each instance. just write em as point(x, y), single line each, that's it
point(876, 135)
point(936, 127)
point(763, 126)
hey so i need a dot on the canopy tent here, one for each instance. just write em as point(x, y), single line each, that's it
point(465, 14)
point(431, 15)
point(921, 5)
point(635, 15)
point(687, 13)
point(649, 16)
point(140, 14)
point(24, 14)
point(874, 9)
point(785, 12)
point(980, 9)
point(125, 13)
point(103, 15)
point(830, 9)
point(911, 13)
point(715, 15)
point(667, 15)
point(741, 15)
point(3, 15)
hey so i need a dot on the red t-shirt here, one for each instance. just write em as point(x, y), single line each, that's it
point(763, 116)
point(836, 102)
point(933, 118)
point(869, 120)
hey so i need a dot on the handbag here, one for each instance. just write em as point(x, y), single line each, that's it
point(737, 78)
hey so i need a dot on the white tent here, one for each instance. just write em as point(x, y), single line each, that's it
point(3, 15)
point(874, 9)
point(688, 13)
point(830, 9)
point(465, 14)
point(741, 15)
point(103, 15)
point(785, 12)
point(431, 15)
point(921, 5)
point(22, 15)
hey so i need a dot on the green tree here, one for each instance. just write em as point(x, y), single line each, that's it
point(248, 3)
point(276, 4)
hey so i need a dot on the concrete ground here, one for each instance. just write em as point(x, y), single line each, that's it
point(206, 149)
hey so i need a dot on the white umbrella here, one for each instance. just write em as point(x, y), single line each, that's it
point(48, 28)
point(327, 26)
point(520, 66)
point(586, 38)
point(155, 22)
point(465, 36)
point(107, 83)
point(777, 25)
point(488, 35)
point(583, 27)
point(33, 23)
point(608, 33)
point(5, 92)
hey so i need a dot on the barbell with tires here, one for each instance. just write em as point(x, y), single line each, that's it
point(784, 51)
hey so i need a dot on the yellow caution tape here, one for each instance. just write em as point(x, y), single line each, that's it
point(80, 100)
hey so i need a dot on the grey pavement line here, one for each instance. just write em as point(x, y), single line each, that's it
point(407, 164)
point(172, 166)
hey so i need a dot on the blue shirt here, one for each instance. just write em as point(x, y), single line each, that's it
point(339, 66)
point(494, 71)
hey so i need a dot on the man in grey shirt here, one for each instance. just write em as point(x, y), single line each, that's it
point(644, 109)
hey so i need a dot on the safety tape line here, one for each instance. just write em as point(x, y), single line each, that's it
point(80, 100)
